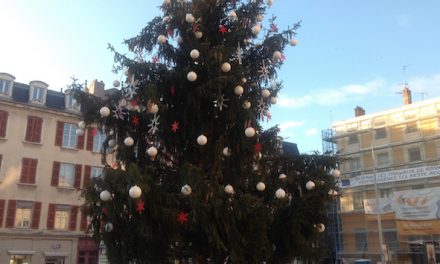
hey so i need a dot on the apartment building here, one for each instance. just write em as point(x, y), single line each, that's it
point(43, 166)
point(389, 209)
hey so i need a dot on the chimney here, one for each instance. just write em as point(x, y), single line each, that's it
point(96, 88)
point(359, 111)
point(406, 96)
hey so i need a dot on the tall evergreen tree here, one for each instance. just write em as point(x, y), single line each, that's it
point(189, 174)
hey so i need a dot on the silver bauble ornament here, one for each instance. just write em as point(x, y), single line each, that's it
point(336, 173)
point(161, 39)
point(229, 189)
point(273, 100)
point(310, 185)
point(226, 152)
point(238, 90)
point(192, 76)
point(202, 140)
point(79, 132)
point(152, 151)
point(104, 111)
point(280, 194)
point(186, 190)
point(293, 42)
point(226, 67)
point(282, 176)
point(194, 54)
point(249, 132)
point(111, 143)
point(135, 192)
point(256, 29)
point(246, 104)
point(82, 125)
point(265, 93)
point(189, 18)
point(261, 186)
point(108, 227)
point(128, 141)
point(105, 196)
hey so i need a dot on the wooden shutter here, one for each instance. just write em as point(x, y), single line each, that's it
point(32, 170)
point(29, 128)
point(59, 133)
point(90, 137)
point(73, 215)
point(77, 180)
point(36, 215)
point(2, 211)
point(87, 174)
point(28, 170)
point(51, 217)
point(3, 122)
point(83, 223)
point(55, 173)
point(10, 217)
point(33, 129)
point(80, 142)
point(38, 128)
point(1, 158)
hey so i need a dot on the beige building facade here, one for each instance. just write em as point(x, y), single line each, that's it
point(44, 165)
point(389, 207)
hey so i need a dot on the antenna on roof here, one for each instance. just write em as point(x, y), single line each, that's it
point(404, 74)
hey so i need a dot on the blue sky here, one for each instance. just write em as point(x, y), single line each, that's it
point(350, 52)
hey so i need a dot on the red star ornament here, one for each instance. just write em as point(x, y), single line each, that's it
point(155, 59)
point(136, 120)
point(170, 32)
point(175, 126)
point(222, 29)
point(182, 217)
point(258, 147)
point(140, 207)
point(133, 103)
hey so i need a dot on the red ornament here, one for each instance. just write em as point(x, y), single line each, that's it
point(170, 32)
point(155, 59)
point(175, 126)
point(258, 147)
point(273, 28)
point(104, 211)
point(182, 217)
point(283, 57)
point(136, 120)
point(195, 28)
point(140, 207)
point(223, 29)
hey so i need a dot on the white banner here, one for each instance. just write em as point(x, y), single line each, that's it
point(420, 204)
point(386, 205)
point(392, 176)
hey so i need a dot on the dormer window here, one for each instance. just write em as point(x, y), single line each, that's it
point(37, 92)
point(6, 82)
point(70, 102)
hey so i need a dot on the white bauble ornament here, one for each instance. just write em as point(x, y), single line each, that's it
point(280, 193)
point(108, 227)
point(243, 80)
point(265, 93)
point(238, 90)
point(128, 141)
point(249, 132)
point(246, 104)
point(79, 132)
point(152, 151)
point(260, 18)
point(229, 189)
point(135, 192)
point(166, 19)
point(320, 228)
point(105, 196)
point(336, 173)
point(179, 39)
point(111, 143)
point(82, 125)
point(332, 193)
point(194, 54)
point(293, 42)
point(226, 152)
point(166, 2)
point(189, 18)
point(199, 34)
point(192, 76)
point(261, 186)
point(256, 29)
point(310, 185)
point(232, 15)
point(202, 140)
point(186, 190)
point(153, 108)
point(161, 39)
point(273, 100)
point(269, 2)
point(104, 111)
point(116, 83)
point(258, 156)
point(226, 67)
point(282, 176)
point(277, 56)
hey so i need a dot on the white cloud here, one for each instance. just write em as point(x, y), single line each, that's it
point(311, 132)
point(422, 86)
point(334, 96)
point(290, 124)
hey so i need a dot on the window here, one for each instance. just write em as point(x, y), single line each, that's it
point(414, 154)
point(70, 102)
point(386, 193)
point(23, 214)
point(5, 86)
point(1, 158)
point(355, 164)
point(360, 237)
point(98, 140)
point(353, 139)
point(411, 128)
point(28, 170)
point(380, 133)
point(61, 219)
point(20, 259)
point(37, 92)
point(382, 160)
point(33, 129)
point(96, 172)
point(3, 123)
point(67, 174)
point(69, 135)
point(358, 201)
point(390, 237)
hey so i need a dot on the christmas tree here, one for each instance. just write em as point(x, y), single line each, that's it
point(190, 175)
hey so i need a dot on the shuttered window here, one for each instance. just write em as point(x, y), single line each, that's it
point(33, 129)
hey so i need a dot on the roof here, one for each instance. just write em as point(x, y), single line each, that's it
point(290, 149)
